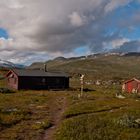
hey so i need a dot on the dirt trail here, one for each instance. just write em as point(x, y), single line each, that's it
point(56, 119)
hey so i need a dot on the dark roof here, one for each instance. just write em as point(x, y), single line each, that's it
point(38, 73)
point(134, 79)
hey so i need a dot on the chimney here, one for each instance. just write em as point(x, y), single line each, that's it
point(45, 67)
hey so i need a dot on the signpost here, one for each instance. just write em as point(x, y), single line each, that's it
point(82, 84)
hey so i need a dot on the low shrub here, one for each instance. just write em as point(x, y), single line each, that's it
point(10, 117)
point(42, 124)
point(127, 121)
point(6, 90)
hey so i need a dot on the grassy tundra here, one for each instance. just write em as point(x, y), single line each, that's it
point(99, 115)
point(26, 114)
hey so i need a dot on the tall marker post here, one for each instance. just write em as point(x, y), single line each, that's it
point(82, 84)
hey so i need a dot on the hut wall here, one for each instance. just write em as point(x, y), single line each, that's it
point(57, 82)
point(12, 81)
point(131, 86)
point(43, 82)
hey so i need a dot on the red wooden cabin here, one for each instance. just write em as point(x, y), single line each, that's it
point(131, 86)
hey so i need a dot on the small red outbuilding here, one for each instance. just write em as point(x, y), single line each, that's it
point(131, 86)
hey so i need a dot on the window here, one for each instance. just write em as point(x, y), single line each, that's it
point(43, 80)
point(11, 75)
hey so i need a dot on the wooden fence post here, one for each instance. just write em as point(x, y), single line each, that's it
point(82, 84)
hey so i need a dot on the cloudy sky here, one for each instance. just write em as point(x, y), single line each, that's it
point(38, 30)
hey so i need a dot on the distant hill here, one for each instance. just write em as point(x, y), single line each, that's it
point(97, 66)
point(132, 54)
point(8, 64)
point(60, 59)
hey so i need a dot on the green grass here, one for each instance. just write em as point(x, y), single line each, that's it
point(100, 116)
point(96, 127)
point(27, 114)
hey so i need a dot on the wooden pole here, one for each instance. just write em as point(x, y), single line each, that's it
point(82, 84)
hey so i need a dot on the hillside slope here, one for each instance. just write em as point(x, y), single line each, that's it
point(99, 67)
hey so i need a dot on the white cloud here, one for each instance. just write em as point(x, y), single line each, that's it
point(15, 4)
point(76, 19)
point(4, 43)
point(53, 27)
point(45, 25)
point(119, 42)
point(113, 4)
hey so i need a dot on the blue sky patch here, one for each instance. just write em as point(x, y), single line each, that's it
point(81, 50)
point(3, 33)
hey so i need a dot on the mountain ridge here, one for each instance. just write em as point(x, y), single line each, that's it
point(97, 66)
point(8, 64)
point(91, 56)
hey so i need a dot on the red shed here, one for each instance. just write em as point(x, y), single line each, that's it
point(131, 86)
